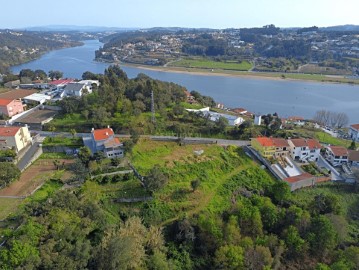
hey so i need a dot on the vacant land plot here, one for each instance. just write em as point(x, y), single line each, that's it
point(32, 177)
point(315, 69)
point(202, 63)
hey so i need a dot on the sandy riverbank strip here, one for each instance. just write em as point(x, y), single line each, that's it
point(246, 74)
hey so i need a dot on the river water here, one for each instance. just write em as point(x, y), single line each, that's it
point(287, 98)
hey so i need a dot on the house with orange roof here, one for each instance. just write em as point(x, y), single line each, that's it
point(336, 155)
point(104, 140)
point(11, 107)
point(304, 149)
point(16, 138)
point(270, 147)
point(354, 132)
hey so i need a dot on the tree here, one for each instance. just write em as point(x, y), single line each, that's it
point(84, 155)
point(293, 241)
point(8, 173)
point(87, 75)
point(229, 257)
point(55, 74)
point(27, 73)
point(195, 184)
point(352, 146)
point(322, 237)
point(221, 123)
point(280, 192)
point(155, 180)
point(73, 132)
point(40, 74)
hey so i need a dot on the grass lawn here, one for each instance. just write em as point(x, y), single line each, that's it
point(209, 64)
point(63, 141)
point(321, 136)
point(8, 206)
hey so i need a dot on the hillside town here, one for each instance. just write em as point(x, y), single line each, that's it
point(268, 49)
point(299, 161)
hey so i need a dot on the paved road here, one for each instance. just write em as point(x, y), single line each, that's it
point(28, 156)
point(219, 141)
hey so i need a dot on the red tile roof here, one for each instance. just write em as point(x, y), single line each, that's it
point(265, 141)
point(5, 102)
point(58, 82)
point(102, 134)
point(339, 150)
point(356, 126)
point(279, 142)
point(8, 131)
point(311, 143)
point(276, 142)
point(298, 178)
point(112, 143)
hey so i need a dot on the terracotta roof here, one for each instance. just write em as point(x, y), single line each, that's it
point(355, 126)
point(279, 142)
point(102, 134)
point(58, 82)
point(298, 178)
point(339, 150)
point(353, 155)
point(5, 102)
point(265, 141)
point(112, 143)
point(311, 143)
point(314, 144)
point(8, 131)
point(295, 118)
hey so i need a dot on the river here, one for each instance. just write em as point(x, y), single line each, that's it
point(287, 98)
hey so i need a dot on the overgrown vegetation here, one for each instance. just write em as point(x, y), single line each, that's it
point(218, 210)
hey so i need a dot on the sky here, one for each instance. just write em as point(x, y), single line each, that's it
point(184, 13)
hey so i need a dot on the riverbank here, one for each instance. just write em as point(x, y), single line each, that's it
point(247, 74)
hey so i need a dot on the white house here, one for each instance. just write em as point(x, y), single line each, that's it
point(304, 149)
point(104, 140)
point(36, 98)
point(214, 116)
point(337, 155)
point(354, 132)
point(16, 138)
point(76, 90)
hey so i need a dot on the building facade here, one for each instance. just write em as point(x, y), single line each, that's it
point(336, 155)
point(304, 149)
point(10, 107)
point(104, 140)
point(16, 138)
point(354, 132)
point(270, 147)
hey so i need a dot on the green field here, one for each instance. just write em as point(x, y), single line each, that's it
point(321, 136)
point(8, 206)
point(208, 64)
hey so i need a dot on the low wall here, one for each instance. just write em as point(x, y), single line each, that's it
point(52, 108)
point(58, 149)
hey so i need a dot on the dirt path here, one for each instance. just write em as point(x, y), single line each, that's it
point(31, 178)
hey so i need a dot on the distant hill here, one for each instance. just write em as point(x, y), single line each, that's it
point(64, 28)
point(348, 27)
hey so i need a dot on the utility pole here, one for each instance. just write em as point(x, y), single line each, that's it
point(153, 108)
